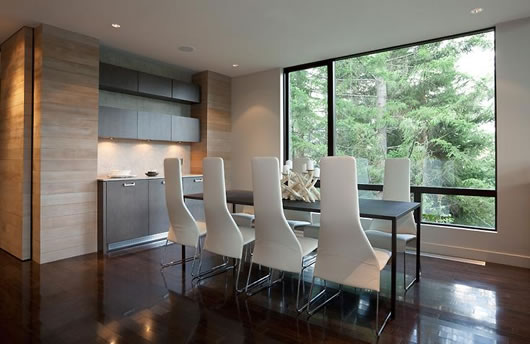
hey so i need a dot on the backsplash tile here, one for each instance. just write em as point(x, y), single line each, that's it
point(139, 156)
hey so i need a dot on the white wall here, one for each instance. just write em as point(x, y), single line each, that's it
point(256, 122)
point(257, 131)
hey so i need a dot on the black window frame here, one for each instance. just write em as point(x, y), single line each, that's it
point(416, 190)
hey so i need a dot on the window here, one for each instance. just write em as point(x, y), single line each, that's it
point(432, 102)
point(308, 113)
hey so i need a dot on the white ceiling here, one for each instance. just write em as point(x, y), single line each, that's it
point(257, 34)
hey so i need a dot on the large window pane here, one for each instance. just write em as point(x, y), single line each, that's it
point(459, 210)
point(308, 113)
point(433, 103)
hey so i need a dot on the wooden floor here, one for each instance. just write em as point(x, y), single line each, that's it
point(124, 299)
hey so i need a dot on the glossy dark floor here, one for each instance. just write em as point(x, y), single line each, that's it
point(124, 299)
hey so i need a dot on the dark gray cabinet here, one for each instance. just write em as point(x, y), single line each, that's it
point(158, 216)
point(185, 91)
point(117, 78)
point(127, 213)
point(118, 123)
point(191, 185)
point(154, 85)
point(154, 126)
point(185, 129)
point(133, 212)
point(124, 80)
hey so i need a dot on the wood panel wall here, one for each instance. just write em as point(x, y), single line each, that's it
point(65, 144)
point(16, 102)
point(215, 115)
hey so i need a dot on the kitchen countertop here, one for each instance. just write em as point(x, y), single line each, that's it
point(107, 179)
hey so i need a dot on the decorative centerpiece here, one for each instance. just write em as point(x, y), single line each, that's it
point(300, 185)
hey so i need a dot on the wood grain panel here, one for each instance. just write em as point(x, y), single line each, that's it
point(65, 144)
point(16, 102)
point(214, 113)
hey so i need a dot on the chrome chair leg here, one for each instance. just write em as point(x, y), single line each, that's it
point(174, 262)
point(379, 330)
point(316, 297)
point(414, 280)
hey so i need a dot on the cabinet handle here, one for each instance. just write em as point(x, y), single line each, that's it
point(129, 184)
point(163, 182)
point(199, 180)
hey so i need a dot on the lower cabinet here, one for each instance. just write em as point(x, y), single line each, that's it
point(158, 217)
point(127, 210)
point(134, 212)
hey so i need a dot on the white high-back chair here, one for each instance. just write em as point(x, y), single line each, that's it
point(183, 229)
point(276, 246)
point(396, 188)
point(345, 255)
point(224, 237)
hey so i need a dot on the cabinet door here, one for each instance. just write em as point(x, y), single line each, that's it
point(154, 85)
point(117, 78)
point(118, 123)
point(186, 92)
point(193, 185)
point(127, 210)
point(185, 129)
point(158, 217)
point(154, 126)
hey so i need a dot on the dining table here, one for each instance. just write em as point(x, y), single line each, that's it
point(368, 208)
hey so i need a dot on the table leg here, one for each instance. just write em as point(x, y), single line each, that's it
point(394, 268)
point(183, 253)
point(233, 208)
point(418, 242)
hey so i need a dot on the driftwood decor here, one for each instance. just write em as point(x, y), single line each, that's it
point(300, 185)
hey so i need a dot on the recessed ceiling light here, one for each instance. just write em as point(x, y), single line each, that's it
point(186, 48)
point(235, 65)
point(116, 26)
point(476, 10)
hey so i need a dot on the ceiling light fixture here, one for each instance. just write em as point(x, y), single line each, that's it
point(476, 10)
point(116, 26)
point(186, 48)
point(235, 65)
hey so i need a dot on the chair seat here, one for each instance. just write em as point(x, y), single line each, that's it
point(202, 228)
point(382, 257)
point(244, 219)
point(248, 234)
point(308, 245)
point(383, 240)
point(294, 224)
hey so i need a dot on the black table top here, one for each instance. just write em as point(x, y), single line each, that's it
point(372, 208)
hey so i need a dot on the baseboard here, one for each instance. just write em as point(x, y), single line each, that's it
point(477, 254)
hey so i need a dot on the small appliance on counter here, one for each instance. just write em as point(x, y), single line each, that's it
point(151, 173)
point(121, 174)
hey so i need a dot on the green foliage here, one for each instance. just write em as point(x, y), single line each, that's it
point(413, 102)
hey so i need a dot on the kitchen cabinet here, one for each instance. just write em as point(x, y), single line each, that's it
point(185, 129)
point(158, 215)
point(114, 78)
point(134, 211)
point(127, 210)
point(118, 123)
point(186, 92)
point(191, 185)
point(154, 85)
point(118, 79)
point(154, 126)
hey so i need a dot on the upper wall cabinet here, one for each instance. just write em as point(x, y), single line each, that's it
point(185, 129)
point(154, 126)
point(154, 85)
point(119, 123)
point(186, 91)
point(118, 79)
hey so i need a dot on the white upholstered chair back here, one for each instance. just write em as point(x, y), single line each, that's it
point(182, 229)
point(345, 255)
point(276, 245)
point(223, 237)
point(396, 188)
